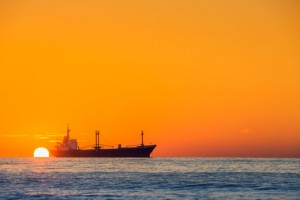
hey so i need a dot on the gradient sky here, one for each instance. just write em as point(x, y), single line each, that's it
point(201, 78)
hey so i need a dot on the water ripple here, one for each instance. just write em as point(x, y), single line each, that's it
point(162, 178)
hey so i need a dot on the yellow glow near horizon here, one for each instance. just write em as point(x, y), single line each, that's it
point(41, 152)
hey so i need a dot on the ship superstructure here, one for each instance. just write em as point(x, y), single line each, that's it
point(67, 144)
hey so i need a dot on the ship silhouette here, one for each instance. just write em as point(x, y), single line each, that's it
point(69, 148)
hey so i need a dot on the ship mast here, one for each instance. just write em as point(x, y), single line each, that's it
point(142, 138)
point(97, 146)
point(68, 132)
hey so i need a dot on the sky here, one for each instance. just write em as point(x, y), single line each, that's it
point(200, 78)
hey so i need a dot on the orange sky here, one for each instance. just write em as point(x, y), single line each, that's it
point(201, 78)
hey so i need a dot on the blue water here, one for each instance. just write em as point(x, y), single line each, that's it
point(154, 178)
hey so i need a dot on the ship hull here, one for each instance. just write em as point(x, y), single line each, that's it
point(140, 151)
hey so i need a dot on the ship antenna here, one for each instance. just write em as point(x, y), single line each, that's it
point(68, 132)
point(142, 138)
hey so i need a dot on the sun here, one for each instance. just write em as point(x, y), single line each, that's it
point(41, 152)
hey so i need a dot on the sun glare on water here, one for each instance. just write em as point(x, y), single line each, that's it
point(41, 152)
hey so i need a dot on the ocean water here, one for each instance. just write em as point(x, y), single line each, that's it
point(154, 178)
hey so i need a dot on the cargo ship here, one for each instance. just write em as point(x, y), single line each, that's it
point(69, 148)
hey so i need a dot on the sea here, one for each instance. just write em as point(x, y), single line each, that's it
point(149, 178)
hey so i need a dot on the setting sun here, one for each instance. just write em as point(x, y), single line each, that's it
point(41, 152)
